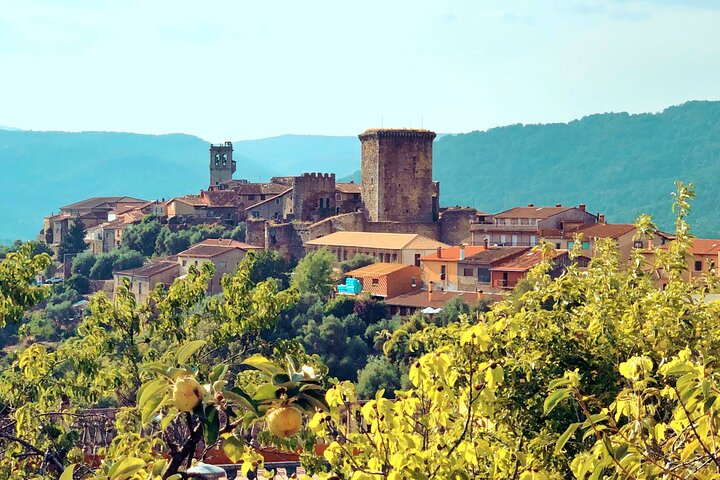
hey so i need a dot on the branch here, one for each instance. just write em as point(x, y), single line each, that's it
point(187, 450)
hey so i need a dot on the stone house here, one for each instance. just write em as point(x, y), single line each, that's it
point(387, 280)
point(405, 248)
point(225, 255)
point(525, 226)
point(144, 279)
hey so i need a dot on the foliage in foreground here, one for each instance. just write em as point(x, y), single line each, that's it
point(595, 374)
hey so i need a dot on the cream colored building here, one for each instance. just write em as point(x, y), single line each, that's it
point(144, 279)
point(225, 254)
point(405, 248)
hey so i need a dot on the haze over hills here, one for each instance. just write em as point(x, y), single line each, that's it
point(616, 163)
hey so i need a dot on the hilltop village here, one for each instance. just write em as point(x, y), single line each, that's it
point(424, 255)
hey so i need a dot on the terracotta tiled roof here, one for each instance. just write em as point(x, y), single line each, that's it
point(601, 230)
point(268, 188)
point(348, 187)
point(452, 254)
point(494, 254)
point(221, 199)
point(531, 212)
point(94, 202)
point(149, 269)
point(379, 268)
point(211, 248)
point(524, 262)
point(387, 241)
point(704, 246)
point(59, 216)
point(273, 198)
point(420, 299)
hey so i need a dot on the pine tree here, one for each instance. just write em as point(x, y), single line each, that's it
point(74, 241)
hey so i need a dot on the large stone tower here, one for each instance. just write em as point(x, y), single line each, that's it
point(397, 183)
point(222, 166)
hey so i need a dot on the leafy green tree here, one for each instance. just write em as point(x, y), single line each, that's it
point(314, 273)
point(378, 374)
point(270, 264)
point(237, 233)
point(83, 263)
point(74, 240)
point(451, 311)
point(17, 292)
point(359, 260)
point(142, 237)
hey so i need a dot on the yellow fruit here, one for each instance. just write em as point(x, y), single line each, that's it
point(187, 394)
point(284, 422)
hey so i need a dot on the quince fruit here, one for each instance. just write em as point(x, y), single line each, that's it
point(284, 422)
point(187, 394)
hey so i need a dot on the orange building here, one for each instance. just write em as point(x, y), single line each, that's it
point(702, 258)
point(441, 267)
point(508, 273)
point(387, 279)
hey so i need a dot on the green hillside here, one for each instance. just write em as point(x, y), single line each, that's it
point(616, 163)
point(42, 171)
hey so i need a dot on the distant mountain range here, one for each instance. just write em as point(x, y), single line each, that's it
point(616, 163)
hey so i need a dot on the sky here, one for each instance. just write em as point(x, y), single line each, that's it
point(235, 70)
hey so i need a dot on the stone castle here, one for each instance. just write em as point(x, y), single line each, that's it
point(397, 195)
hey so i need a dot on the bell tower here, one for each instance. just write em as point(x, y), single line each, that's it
point(222, 165)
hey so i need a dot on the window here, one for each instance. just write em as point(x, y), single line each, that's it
point(251, 197)
point(277, 201)
point(711, 264)
point(483, 275)
point(376, 281)
point(557, 246)
point(442, 272)
point(184, 263)
point(387, 257)
point(262, 197)
point(533, 240)
point(338, 196)
point(638, 244)
point(585, 245)
point(394, 257)
point(467, 272)
point(503, 239)
point(514, 240)
point(217, 159)
point(256, 213)
point(222, 264)
point(139, 288)
point(224, 158)
point(698, 265)
point(417, 259)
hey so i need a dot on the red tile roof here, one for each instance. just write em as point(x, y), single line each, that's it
point(379, 268)
point(524, 262)
point(150, 269)
point(532, 212)
point(602, 230)
point(213, 247)
point(348, 187)
point(452, 254)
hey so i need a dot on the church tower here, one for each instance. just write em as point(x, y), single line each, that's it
point(222, 165)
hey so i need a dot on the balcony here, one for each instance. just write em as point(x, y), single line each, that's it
point(502, 283)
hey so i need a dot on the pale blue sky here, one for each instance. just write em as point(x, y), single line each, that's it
point(239, 69)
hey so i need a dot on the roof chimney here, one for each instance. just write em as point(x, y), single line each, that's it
point(479, 294)
point(558, 205)
point(601, 218)
point(462, 252)
point(439, 252)
point(582, 207)
point(486, 241)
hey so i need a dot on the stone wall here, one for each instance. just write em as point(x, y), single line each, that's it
point(313, 196)
point(255, 232)
point(347, 222)
point(455, 225)
point(396, 173)
point(428, 229)
point(286, 238)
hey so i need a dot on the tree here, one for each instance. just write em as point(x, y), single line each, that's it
point(270, 264)
point(17, 292)
point(378, 374)
point(83, 263)
point(143, 236)
point(359, 260)
point(314, 273)
point(74, 240)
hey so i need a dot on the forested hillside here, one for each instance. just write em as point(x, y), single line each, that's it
point(616, 163)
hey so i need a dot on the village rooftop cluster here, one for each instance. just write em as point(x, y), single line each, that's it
point(425, 255)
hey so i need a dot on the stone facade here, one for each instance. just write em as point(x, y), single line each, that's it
point(222, 166)
point(396, 170)
point(313, 196)
point(455, 225)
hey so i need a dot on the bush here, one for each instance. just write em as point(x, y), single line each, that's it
point(83, 263)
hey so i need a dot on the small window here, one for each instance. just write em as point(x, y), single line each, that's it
point(638, 244)
point(376, 281)
point(256, 213)
point(222, 264)
point(338, 196)
point(217, 159)
point(483, 275)
point(586, 245)
point(467, 272)
point(698, 265)
point(417, 259)
point(442, 272)
point(262, 197)
point(224, 158)
point(184, 263)
point(139, 288)
point(557, 246)
point(277, 201)
point(251, 197)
